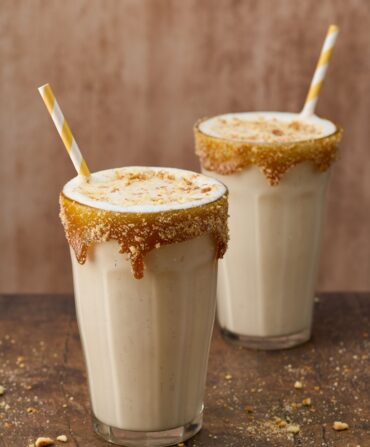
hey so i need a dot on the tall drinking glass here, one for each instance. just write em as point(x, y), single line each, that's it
point(145, 244)
point(276, 168)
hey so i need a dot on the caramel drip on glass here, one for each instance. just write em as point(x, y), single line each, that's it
point(226, 156)
point(139, 233)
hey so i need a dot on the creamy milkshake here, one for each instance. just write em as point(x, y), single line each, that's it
point(145, 244)
point(276, 168)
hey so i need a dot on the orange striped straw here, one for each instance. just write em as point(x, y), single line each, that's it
point(320, 72)
point(64, 130)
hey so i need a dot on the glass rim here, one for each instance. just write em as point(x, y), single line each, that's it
point(135, 209)
point(337, 131)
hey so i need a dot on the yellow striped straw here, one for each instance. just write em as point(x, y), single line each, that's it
point(320, 72)
point(64, 130)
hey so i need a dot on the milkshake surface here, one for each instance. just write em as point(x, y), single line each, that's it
point(266, 127)
point(144, 189)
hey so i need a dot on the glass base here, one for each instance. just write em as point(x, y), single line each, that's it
point(267, 343)
point(163, 438)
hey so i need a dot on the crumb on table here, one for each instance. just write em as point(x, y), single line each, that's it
point(340, 426)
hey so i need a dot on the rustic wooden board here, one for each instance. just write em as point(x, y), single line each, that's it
point(133, 76)
point(41, 367)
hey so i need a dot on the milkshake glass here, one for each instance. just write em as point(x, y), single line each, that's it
point(276, 168)
point(145, 244)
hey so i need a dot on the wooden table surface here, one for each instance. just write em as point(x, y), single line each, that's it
point(42, 370)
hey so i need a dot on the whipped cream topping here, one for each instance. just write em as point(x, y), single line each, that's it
point(144, 189)
point(266, 127)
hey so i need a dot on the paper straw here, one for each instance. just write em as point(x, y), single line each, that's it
point(64, 130)
point(320, 72)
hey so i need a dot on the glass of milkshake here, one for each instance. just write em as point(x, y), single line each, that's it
point(144, 245)
point(276, 167)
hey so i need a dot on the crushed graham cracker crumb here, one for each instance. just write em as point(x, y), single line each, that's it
point(280, 422)
point(248, 409)
point(43, 442)
point(298, 385)
point(340, 426)
point(293, 428)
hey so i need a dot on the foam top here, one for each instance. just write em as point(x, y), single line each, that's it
point(266, 127)
point(144, 189)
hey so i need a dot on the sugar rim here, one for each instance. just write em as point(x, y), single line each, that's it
point(142, 209)
point(331, 128)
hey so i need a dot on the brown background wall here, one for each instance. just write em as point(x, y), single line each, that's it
point(132, 77)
